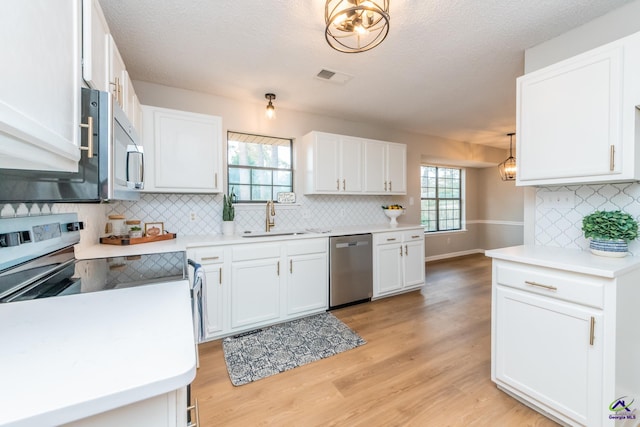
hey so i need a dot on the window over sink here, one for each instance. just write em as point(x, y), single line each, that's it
point(258, 167)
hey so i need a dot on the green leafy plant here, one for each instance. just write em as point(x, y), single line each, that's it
point(134, 228)
point(610, 225)
point(228, 210)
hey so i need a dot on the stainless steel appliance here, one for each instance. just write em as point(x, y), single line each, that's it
point(350, 270)
point(37, 261)
point(113, 169)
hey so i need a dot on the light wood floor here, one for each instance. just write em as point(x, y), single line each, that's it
point(426, 363)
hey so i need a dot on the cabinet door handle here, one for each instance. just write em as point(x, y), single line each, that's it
point(89, 147)
point(592, 330)
point(385, 186)
point(400, 250)
point(209, 258)
point(291, 266)
point(216, 179)
point(220, 276)
point(612, 158)
point(406, 250)
point(278, 269)
point(390, 188)
point(195, 408)
point(338, 184)
point(344, 185)
point(391, 239)
point(415, 237)
point(540, 285)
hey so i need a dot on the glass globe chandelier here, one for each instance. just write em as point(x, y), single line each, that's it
point(507, 168)
point(354, 26)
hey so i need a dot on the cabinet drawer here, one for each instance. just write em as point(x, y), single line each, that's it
point(309, 246)
point(382, 238)
point(410, 235)
point(210, 256)
point(577, 288)
point(250, 252)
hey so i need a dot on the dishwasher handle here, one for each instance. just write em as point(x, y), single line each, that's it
point(352, 244)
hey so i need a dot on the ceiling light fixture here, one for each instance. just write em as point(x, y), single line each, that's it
point(271, 110)
point(356, 25)
point(508, 167)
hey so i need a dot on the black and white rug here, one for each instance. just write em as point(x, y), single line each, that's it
point(278, 348)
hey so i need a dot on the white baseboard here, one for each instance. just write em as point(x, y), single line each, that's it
point(453, 255)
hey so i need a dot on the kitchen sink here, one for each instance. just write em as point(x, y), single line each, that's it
point(271, 234)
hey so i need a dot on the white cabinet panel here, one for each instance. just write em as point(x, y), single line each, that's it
point(375, 167)
point(396, 167)
point(117, 70)
point(255, 292)
point(351, 164)
point(95, 46)
point(398, 260)
point(307, 283)
point(183, 151)
point(40, 104)
point(577, 119)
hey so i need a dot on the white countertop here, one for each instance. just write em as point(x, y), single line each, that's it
point(70, 357)
point(182, 243)
point(574, 260)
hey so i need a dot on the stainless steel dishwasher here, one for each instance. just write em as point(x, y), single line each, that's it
point(350, 270)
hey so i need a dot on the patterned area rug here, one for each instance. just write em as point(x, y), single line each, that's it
point(278, 348)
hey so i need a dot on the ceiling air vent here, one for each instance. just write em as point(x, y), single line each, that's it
point(333, 76)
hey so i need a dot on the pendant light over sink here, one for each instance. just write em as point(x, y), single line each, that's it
point(508, 167)
point(354, 26)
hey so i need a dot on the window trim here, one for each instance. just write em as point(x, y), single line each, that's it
point(263, 168)
point(461, 199)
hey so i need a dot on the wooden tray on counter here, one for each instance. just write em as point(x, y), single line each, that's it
point(126, 240)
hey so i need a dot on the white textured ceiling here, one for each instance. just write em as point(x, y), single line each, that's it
point(447, 67)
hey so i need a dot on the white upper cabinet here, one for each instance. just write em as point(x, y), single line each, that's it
point(40, 84)
point(117, 76)
point(576, 120)
point(385, 167)
point(338, 164)
point(95, 46)
point(183, 151)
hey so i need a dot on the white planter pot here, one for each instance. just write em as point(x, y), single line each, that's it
point(609, 248)
point(228, 228)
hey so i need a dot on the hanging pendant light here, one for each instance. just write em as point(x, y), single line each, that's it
point(271, 110)
point(354, 26)
point(508, 167)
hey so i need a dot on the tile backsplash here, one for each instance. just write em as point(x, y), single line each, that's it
point(563, 227)
point(190, 214)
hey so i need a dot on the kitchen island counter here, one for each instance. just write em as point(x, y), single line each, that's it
point(71, 357)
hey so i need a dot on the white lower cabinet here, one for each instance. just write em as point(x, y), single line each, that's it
point(398, 261)
point(266, 283)
point(165, 410)
point(560, 337)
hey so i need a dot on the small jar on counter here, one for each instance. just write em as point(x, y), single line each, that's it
point(116, 225)
point(134, 228)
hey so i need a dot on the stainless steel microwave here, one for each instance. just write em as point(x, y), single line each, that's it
point(114, 170)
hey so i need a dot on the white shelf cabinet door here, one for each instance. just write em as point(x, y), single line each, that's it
point(388, 268)
point(413, 262)
point(307, 283)
point(214, 304)
point(351, 164)
point(255, 292)
point(117, 71)
point(183, 151)
point(581, 109)
point(326, 163)
point(375, 167)
point(95, 46)
point(396, 167)
point(40, 82)
point(542, 349)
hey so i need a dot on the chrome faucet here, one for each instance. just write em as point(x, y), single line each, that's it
point(270, 222)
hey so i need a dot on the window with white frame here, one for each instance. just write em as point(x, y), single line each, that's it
point(441, 198)
point(258, 167)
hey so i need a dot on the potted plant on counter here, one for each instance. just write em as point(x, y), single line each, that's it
point(228, 214)
point(610, 232)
